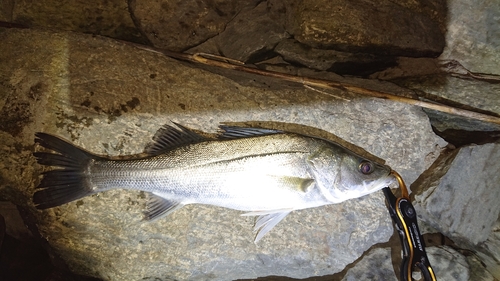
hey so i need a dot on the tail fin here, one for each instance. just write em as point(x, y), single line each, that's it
point(69, 182)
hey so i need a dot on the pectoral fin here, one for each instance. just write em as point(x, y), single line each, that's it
point(266, 221)
point(158, 207)
point(303, 185)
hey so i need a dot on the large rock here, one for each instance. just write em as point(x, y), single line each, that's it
point(250, 36)
point(253, 34)
point(108, 18)
point(110, 98)
point(473, 35)
point(459, 196)
point(179, 25)
point(406, 28)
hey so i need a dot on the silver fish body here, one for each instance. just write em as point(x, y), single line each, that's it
point(263, 172)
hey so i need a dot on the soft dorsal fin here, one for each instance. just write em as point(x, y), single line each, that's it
point(169, 137)
point(234, 132)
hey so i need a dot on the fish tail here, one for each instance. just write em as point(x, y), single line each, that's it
point(69, 182)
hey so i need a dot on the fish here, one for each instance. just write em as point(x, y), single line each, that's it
point(262, 172)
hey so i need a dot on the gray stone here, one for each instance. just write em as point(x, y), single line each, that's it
point(253, 34)
point(109, 97)
point(107, 18)
point(489, 252)
point(375, 265)
point(478, 270)
point(473, 35)
point(460, 197)
point(448, 265)
point(179, 25)
point(408, 28)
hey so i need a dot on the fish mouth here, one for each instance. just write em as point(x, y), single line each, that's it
point(386, 181)
point(377, 185)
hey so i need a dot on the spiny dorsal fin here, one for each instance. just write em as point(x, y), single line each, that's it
point(234, 132)
point(169, 137)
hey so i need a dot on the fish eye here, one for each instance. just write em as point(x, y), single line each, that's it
point(366, 167)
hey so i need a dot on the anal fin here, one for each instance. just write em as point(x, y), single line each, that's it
point(267, 220)
point(158, 207)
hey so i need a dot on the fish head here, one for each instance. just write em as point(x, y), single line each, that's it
point(342, 175)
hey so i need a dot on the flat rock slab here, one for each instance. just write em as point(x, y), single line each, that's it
point(462, 203)
point(405, 28)
point(110, 98)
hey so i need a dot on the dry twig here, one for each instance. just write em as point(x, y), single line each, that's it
point(222, 62)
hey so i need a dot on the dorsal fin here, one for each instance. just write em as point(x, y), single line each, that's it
point(234, 132)
point(169, 137)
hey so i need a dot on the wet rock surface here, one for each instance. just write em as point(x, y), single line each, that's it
point(110, 97)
